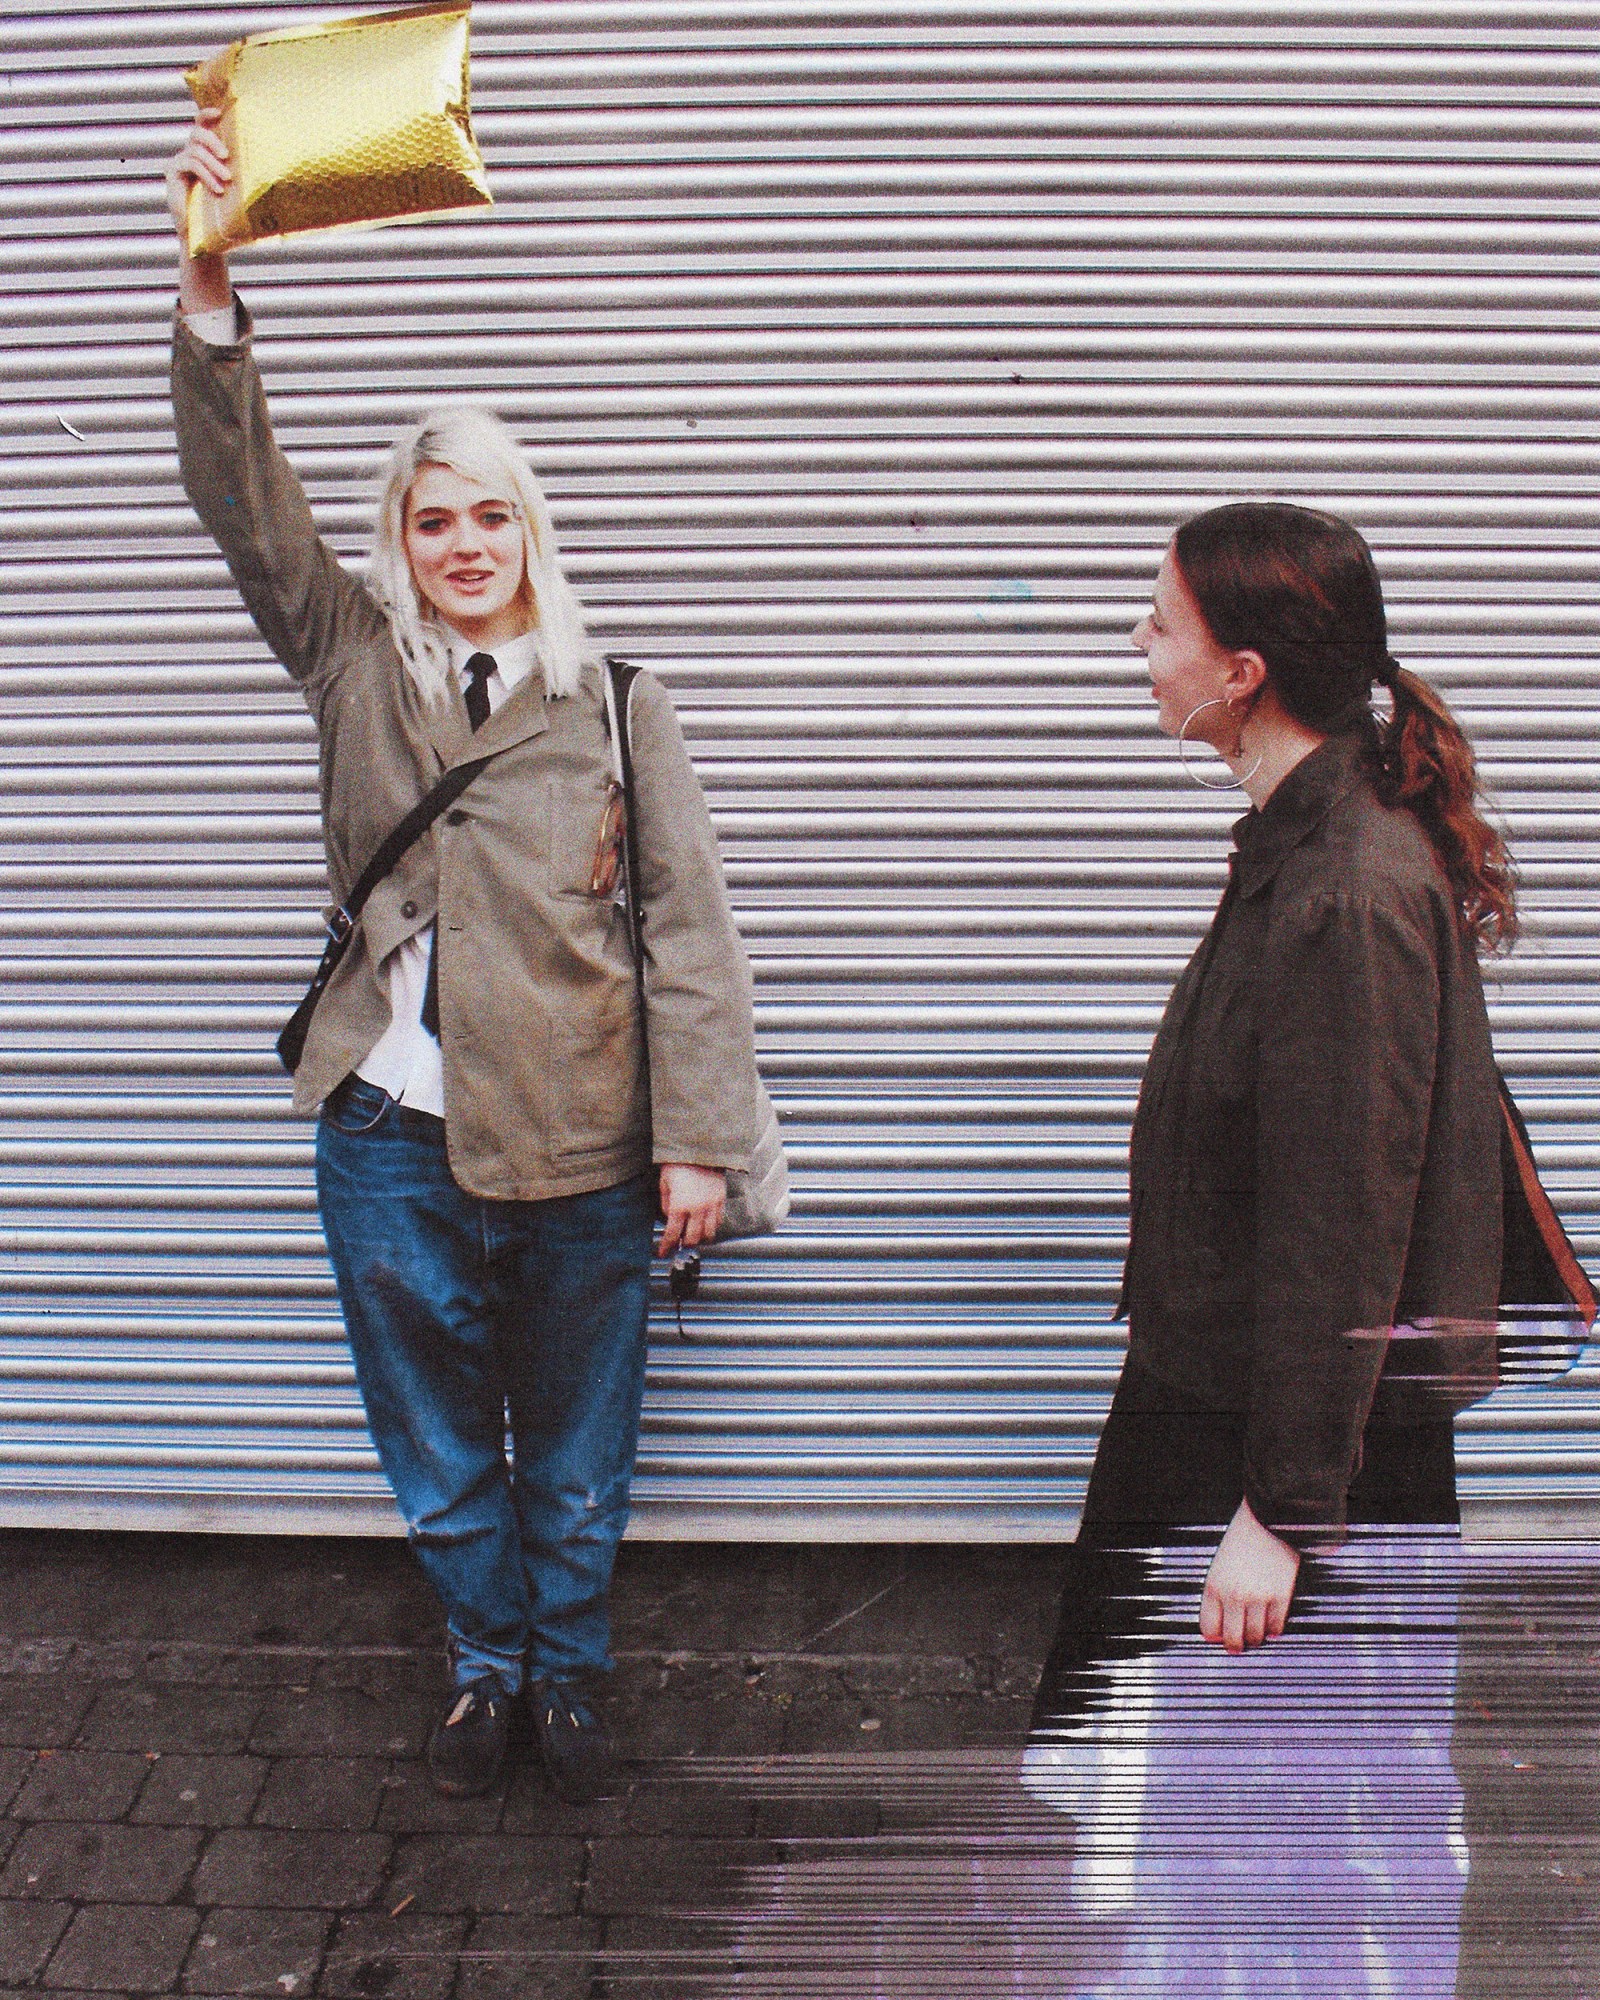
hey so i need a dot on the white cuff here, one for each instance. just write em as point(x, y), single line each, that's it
point(217, 327)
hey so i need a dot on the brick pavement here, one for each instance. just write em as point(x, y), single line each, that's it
point(210, 1783)
point(210, 1761)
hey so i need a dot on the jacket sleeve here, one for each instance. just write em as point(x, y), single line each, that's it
point(704, 1088)
point(1348, 1039)
point(303, 601)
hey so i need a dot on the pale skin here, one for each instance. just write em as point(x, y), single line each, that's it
point(1251, 1581)
point(465, 547)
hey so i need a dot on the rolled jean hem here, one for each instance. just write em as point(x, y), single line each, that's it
point(470, 1663)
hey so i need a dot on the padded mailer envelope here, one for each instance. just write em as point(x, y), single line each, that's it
point(340, 123)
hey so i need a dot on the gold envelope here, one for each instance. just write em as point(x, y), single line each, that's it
point(343, 122)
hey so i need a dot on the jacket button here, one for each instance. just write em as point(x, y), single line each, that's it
point(455, 816)
point(408, 908)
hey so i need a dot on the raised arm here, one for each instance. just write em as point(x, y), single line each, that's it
point(307, 607)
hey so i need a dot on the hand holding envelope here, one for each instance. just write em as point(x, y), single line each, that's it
point(346, 122)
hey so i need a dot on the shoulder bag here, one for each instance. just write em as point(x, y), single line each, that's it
point(1547, 1304)
point(758, 1195)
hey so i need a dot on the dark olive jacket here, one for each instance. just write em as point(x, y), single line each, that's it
point(1316, 1154)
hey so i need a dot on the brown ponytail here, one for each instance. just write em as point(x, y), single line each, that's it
point(1428, 767)
point(1300, 588)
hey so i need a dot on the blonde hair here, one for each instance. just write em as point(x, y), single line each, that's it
point(478, 446)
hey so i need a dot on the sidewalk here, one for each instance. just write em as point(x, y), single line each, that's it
point(210, 1783)
point(210, 1762)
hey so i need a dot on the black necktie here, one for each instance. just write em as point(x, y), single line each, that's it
point(478, 670)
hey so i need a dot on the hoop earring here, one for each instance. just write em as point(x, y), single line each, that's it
point(1210, 784)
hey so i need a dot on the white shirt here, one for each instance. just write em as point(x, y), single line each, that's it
point(406, 1060)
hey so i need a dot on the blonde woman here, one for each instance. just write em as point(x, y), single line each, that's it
point(491, 1152)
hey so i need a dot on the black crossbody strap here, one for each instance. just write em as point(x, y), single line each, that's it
point(409, 831)
point(291, 1043)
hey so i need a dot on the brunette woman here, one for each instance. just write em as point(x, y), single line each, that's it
point(1315, 1163)
point(1316, 1155)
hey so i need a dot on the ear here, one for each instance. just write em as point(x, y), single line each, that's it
point(1246, 676)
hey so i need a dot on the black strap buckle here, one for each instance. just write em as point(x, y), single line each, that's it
point(340, 925)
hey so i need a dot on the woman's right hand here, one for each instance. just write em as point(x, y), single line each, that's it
point(203, 158)
point(1249, 1585)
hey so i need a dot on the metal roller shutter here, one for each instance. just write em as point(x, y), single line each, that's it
point(869, 356)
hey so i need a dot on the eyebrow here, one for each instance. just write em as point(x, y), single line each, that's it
point(440, 507)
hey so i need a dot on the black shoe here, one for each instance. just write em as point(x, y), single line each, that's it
point(574, 1744)
point(467, 1750)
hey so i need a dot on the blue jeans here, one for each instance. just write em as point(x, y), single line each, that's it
point(459, 1310)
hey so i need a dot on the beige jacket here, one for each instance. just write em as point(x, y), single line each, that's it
point(544, 1081)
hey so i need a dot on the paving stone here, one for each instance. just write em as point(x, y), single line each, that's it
point(208, 1666)
point(57, 1993)
point(81, 1784)
point(657, 1805)
point(322, 1791)
point(28, 1934)
point(531, 1807)
point(1015, 1677)
point(408, 1957)
point(918, 1601)
point(256, 1589)
point(635, 1875)
point(200, 1791)
point(510, 1873)
point(791, 1819)
point(42, 1712)
point(341, 1723)
point(14, 1767)
point(411, 1805)
point(528, 1958)
point(982, 1789)
point(667, 1957)
point(386, 1676)
point(10, 1834)
point(726, 1720)
point(39, 1656)
point(130, 1948)
point(247, 1865)
point(108, 1864)
point(257, 1951)
point(885, 1676)
point(976, 1721)
point(139, 1717)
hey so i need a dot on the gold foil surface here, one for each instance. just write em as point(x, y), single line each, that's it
point(341, 123)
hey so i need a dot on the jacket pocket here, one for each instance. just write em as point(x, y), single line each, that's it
point(598, 1076)
point(578, 825)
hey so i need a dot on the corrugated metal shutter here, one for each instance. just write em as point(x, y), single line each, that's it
point(870, 356)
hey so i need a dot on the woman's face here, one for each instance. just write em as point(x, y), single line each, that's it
point(1187, 666)
point(465, 546)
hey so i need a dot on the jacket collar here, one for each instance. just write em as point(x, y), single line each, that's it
point(1267, 835)
point(520, 715)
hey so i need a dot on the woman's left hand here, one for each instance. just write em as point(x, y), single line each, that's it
point(692, 1200)
point(1248, 1586)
